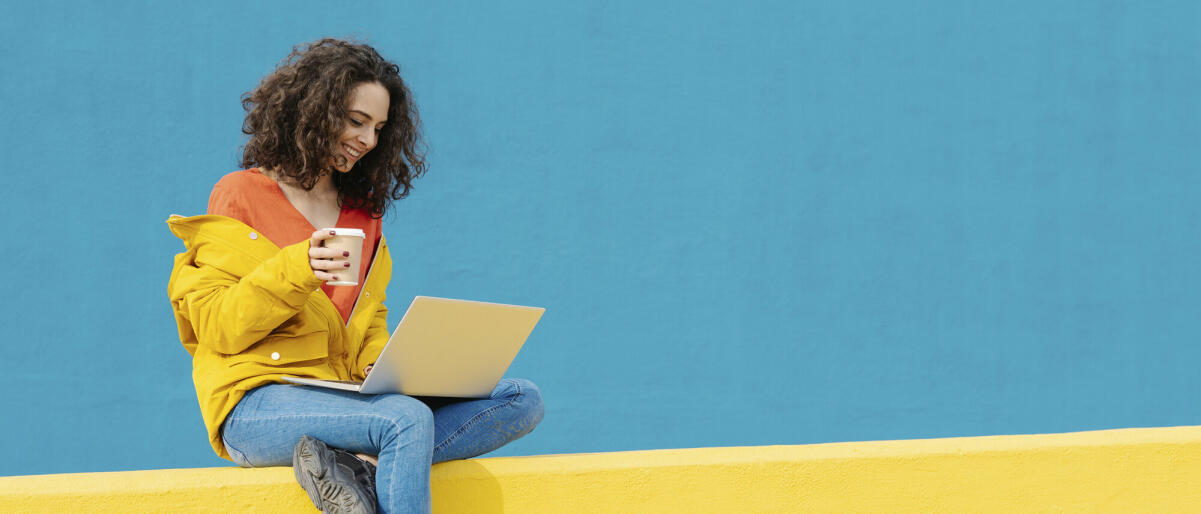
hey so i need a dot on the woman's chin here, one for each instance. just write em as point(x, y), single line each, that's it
point(342, 163)
point(342, 166)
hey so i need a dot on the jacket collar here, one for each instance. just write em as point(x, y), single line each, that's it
point(196, 231)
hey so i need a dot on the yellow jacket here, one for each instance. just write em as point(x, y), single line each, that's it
point(249, 312)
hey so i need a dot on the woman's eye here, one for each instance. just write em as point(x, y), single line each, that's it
point(356, 123)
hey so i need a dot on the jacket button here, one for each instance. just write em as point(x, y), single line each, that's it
point(367, 294)
point(274, 356)
point(254, 236)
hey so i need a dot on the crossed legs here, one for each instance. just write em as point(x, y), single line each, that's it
point(407, 434)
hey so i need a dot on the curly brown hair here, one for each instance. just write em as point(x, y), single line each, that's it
point(295, 114)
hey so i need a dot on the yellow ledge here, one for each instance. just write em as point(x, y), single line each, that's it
point(1130, 470)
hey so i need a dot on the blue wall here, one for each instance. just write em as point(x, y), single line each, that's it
point(761, 223)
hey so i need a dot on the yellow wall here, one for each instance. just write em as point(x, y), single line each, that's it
point(1132, 470)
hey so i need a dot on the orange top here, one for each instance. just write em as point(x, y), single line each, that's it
point(256, 200)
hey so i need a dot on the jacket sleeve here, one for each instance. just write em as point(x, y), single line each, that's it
point(229, 315)
point(373, 343)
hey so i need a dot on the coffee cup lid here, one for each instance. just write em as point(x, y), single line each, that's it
point(347, 232)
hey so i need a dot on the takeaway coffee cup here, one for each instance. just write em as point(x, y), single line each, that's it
point(348, 240)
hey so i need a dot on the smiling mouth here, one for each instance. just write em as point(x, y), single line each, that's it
point(352, 152)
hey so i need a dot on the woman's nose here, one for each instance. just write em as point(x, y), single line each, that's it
point(367, 138)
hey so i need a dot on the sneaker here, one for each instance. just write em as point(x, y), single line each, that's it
point(335, 480)
point(364, 472)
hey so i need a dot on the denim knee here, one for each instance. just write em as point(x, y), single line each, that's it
point(409, 418)
point(527, 399)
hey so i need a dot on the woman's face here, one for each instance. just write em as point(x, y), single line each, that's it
point(367, 113)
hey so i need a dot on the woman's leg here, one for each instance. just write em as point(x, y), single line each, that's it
point(265, 426)
point(465, 429)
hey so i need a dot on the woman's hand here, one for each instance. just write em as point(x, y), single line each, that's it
point(321, 259)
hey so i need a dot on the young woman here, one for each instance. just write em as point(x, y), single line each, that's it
point(333, 140)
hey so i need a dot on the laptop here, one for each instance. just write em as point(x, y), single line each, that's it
point(445, 347)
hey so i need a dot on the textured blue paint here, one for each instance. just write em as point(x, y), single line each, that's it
point(752, 223)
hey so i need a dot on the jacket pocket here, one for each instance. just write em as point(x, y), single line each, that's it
point(302, 338)
point(287, 351)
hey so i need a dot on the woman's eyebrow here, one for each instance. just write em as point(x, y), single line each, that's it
point(368, 116)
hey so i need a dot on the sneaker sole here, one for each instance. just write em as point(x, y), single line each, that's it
point(313, 464)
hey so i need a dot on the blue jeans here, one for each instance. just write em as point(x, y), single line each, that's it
point(408, 434)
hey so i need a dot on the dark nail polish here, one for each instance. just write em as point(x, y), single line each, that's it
point(332, 233)
point(346, 254)
point(347, 265)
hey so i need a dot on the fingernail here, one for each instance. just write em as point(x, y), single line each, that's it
point(346, 254)
point(332, 233)
point(347, 264)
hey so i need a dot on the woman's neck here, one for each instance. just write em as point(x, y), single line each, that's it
point(319, 205)
point(323, 188)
